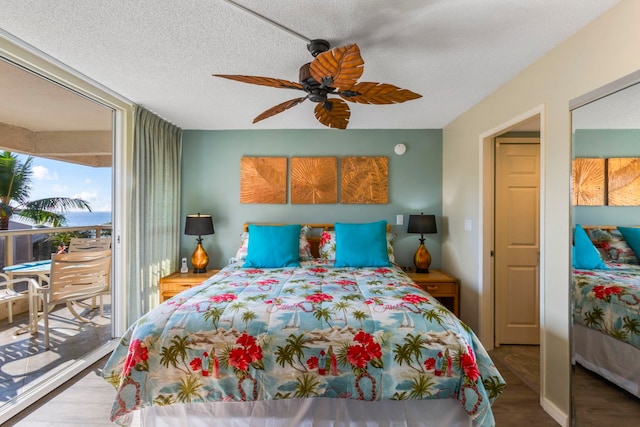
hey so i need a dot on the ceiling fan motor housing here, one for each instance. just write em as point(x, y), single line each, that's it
point(317, 92)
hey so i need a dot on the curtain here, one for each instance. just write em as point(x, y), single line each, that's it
point(155, 216)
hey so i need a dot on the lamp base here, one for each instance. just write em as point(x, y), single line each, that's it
point(422, 258)
point(199, 259)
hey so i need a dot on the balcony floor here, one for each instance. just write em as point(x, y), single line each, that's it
point(25, 363)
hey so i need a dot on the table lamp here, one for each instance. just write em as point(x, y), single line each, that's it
point(199, 225)
point(422, 224)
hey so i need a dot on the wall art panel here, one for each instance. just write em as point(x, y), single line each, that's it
point(263, 180)
point(364, 180)
point(588, 182)
point(314, 180)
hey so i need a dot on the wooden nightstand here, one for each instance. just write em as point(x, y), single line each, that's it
point(442, 286)
point(177, 282)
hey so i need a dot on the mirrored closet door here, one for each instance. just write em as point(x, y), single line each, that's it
point(605, 280)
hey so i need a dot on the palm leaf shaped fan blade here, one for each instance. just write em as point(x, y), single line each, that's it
point(262, 81)
point(279, 109)
point(332, 72)
point(333, 113)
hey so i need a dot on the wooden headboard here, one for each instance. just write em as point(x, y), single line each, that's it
point(313, 237)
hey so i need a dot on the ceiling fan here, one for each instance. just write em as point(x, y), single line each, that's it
point(332, 73)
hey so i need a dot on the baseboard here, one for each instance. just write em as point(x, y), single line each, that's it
point(558, 415)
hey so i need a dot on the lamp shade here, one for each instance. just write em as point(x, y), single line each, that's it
point(198, 225)
point(422, 224)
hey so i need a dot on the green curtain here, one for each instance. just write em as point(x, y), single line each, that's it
point(155, 242)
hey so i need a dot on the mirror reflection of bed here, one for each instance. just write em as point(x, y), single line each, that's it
point(605, 288)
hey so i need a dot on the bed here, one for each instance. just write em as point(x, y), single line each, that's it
point(329, 340)
point(606, 305)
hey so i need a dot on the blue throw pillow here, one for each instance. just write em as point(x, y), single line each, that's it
point(273, 246)
point(362, 245)
point(632, 236)
point(584, 254)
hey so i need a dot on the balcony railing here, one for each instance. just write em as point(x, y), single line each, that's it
point(12, 253)
point(17, 246)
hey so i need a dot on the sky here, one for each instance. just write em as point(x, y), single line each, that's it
point(52, 178)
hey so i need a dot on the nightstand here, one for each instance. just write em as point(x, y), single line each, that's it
point(441, 286)
point(177, 282)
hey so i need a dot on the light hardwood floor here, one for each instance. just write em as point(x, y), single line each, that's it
point(518, 406)
point(87, 399)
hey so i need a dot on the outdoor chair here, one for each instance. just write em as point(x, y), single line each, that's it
point(8, 293)
point(77, 244)
point(73, 278)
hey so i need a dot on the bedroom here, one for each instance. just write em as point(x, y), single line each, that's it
point(552, 82)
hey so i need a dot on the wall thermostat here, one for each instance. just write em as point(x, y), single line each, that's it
point(184, 268)
point(400, 149)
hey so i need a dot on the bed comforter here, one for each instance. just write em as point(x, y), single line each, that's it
point(308, 331)
point(609, 301)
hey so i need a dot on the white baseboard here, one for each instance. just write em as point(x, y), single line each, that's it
point(558, 415)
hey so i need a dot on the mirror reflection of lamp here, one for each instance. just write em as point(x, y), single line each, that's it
point(199, 225)
point(422, 224)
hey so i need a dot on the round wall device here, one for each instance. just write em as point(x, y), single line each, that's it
point(400, 149)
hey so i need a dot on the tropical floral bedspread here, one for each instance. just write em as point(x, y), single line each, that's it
point(609, 301)
point(309, 331)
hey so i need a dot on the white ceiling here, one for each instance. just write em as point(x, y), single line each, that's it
point(161, 53)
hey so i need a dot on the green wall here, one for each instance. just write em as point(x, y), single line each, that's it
point(211, 183)
point(606, 143)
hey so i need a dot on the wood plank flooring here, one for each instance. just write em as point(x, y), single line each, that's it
point(87, 399)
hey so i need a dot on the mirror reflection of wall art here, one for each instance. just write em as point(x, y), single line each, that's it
point(588, 182)
point(314, 180)
point(263, 180)
point(623, 181)
point(364, 180)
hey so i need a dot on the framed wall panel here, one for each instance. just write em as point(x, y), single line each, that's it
point(314, 180)
point(364, 180)
point(263, 180)
point(623, 181)
point(588, 182)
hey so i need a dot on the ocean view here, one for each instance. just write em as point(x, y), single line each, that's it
point(76, 219)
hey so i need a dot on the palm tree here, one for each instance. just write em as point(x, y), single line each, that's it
point(15, 185)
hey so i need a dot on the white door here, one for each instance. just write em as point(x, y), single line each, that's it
point(517, 241)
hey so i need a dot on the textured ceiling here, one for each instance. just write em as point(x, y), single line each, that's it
point(161, 53)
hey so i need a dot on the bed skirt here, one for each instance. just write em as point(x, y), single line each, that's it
point(614, 360)
point(318, 412)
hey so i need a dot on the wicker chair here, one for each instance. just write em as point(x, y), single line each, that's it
point(73, 278)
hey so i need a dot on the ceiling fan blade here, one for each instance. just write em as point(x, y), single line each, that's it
point(377, 93)
point(333, 113)
point(263, 81)
point(279, 109)
point(340, 67)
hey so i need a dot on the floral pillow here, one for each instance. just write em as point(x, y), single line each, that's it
point(612, 246)
point(304, 246)
point(327, 247)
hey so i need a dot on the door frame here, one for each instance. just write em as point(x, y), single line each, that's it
point(38, 62)
point(486, 158)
